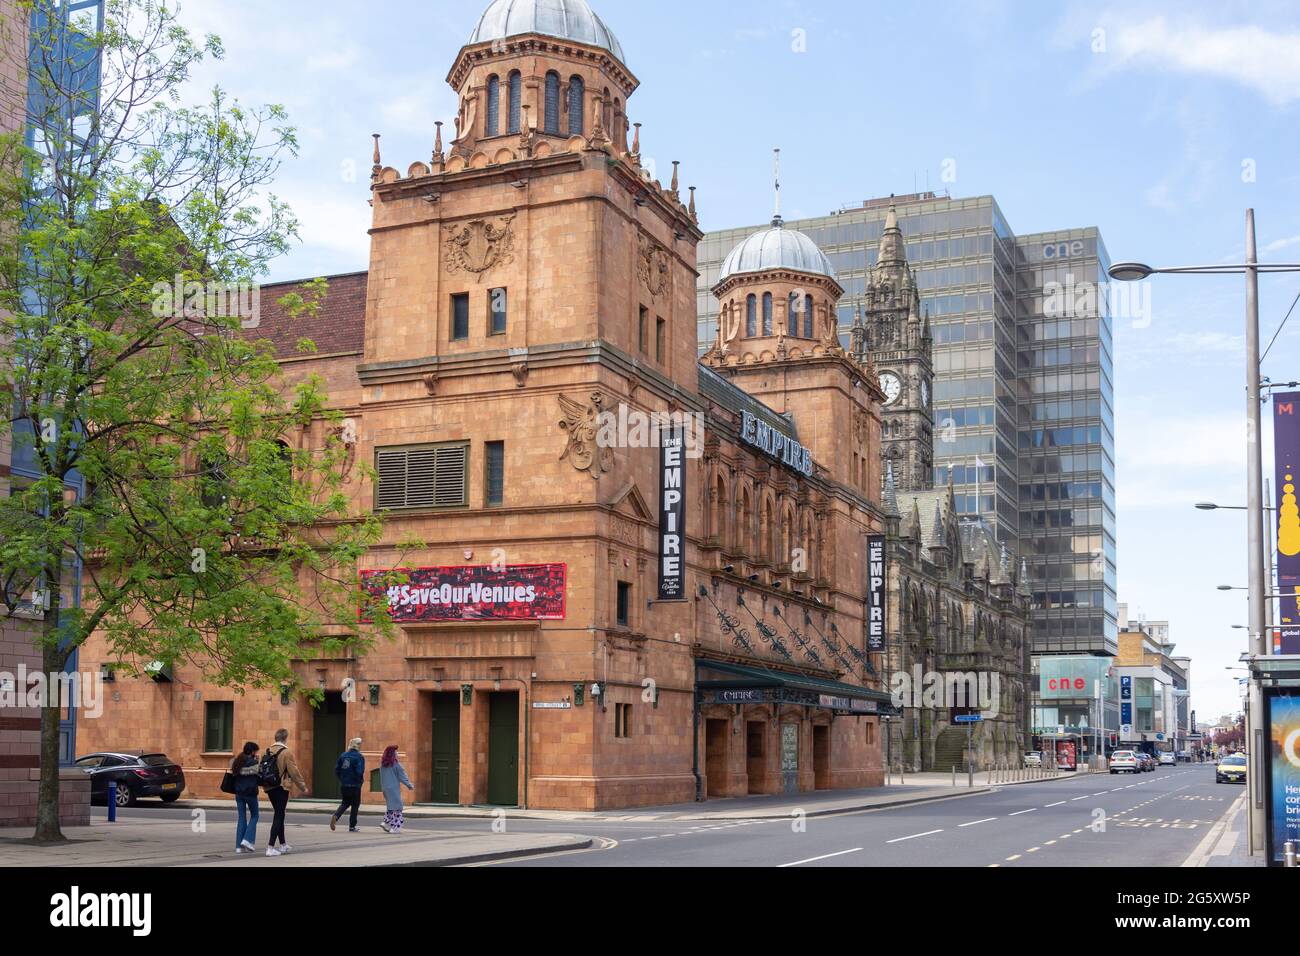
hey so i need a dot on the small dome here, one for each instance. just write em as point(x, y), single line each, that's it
point(567, 19)
point(776, 248)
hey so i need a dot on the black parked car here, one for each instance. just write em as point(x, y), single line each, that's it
point(136, 775)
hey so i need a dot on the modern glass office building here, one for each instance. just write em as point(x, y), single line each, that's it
point(1023, 407)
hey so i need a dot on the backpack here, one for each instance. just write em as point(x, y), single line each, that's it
point(268, 771)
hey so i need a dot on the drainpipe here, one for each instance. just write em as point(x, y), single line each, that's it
point(695, 741)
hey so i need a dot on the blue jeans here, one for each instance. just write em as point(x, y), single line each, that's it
point(246, 828)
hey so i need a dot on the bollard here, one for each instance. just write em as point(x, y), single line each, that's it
point(112, 801)
point(954, 775)
point(1288, 853)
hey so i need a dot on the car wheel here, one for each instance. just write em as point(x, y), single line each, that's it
point(125, 796)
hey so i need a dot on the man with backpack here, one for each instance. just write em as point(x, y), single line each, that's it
point(351, 771)
point(275, 773)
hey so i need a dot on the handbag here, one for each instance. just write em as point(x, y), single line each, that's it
point(228, 783)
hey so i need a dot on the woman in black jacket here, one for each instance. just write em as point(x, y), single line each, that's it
point(244, 769)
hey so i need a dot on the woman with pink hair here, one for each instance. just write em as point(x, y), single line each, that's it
point(392, 777)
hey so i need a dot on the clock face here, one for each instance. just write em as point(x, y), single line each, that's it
point(925, 394)
point(891, 386)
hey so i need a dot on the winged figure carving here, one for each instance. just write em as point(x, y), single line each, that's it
point(581, 422)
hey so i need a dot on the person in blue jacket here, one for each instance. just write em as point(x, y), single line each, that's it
point(351, 771)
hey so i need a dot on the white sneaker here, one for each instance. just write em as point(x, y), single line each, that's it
point(285, 848)
point(240, 849)
point(385, 827)
point(272, 851)
point(248, 846)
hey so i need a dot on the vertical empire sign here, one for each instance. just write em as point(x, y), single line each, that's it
point(876, 592)
point(672, 515)
point(1286, 459)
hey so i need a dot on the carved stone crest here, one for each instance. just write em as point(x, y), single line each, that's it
point(653, 265)
point(582, 423)
point(478, 245)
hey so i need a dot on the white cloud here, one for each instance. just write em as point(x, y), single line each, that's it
point(1251, 56)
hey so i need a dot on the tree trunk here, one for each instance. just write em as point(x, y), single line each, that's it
point(53, 659)
point(47, 795)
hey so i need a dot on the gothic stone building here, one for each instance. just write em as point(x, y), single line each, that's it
point(957, 608)
point(522, 284)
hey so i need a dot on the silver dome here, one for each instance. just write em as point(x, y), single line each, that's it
point(568, 19)
point(776, 248)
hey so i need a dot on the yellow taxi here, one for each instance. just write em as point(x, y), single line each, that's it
point(1231, 769)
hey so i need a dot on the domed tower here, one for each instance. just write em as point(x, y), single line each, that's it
point(548, 69)
point(778, 339)
point(538, 226)
point(894, 335)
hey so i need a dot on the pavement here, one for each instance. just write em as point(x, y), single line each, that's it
point(1226, 844)
point(186, 840)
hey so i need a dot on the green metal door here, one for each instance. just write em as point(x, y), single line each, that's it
point(503, 749)
point(329, 733)
point(446, 748)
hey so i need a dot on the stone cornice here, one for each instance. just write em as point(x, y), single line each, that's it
point(825, 283)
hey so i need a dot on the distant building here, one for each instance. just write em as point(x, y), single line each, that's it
point(1154, 688)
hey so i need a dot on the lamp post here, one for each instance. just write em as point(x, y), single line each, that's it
point(1258, 646)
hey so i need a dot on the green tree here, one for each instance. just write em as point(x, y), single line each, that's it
point(200, 537)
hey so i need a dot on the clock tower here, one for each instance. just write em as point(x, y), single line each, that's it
point(894, 337)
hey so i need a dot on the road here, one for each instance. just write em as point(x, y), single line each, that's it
point(1150, 819)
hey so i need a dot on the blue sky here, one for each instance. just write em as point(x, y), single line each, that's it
point(1159, 123)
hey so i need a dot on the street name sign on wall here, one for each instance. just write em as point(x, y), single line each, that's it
point(876, 592)
point(672, 515)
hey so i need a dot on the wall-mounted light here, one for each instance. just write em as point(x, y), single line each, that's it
point(467, 695)
point(579, 694)
point(374, 695)
point(284, 695)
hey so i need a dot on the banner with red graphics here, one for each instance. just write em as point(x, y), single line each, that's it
point(516, 592)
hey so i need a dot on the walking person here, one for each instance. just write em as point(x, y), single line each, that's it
point(244, 769)
point(277, 772)
point(392, 777)
point(351, 771)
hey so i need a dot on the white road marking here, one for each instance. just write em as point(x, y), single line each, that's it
point(824, 856)
point(914, 836)
point(973, 822)
point(1056, 804)
point(1084, 797)
point(1014, 856)
point(1018, 812)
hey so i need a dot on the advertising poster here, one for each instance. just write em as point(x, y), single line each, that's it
point(1066, 754)
point(1283, 771)
point(1286, 460)
point(520, 592)
point(876, 592)
point(672, 515)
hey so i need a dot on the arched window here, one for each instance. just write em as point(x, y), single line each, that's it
point(516, 90)
point(552, 120)
point(792, 315)
point(745, 526)
point(577, 105)
point(751, 317)
point(767, 313)
point(720, 511)
point(493, 105)
point(765, 541)
point(808, 317)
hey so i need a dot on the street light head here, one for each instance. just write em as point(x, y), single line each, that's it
point(1206, 506)
point(1225, 587)
point(1130, 271)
